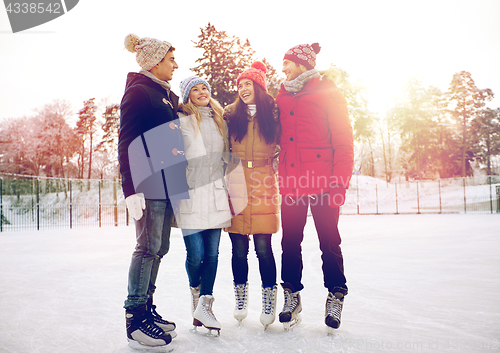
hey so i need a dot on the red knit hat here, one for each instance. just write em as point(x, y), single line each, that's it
point(304, 54)
point(256, 73)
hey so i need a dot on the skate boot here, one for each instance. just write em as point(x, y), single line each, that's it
point(143, 333)
point(195, 297)
point(268, 306)
point(333, 310)
point(203, 316)
point(241, 298)
point(291, 309)
point(165, 325)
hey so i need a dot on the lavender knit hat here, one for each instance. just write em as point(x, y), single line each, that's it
point(149, 51)
point(189, 83)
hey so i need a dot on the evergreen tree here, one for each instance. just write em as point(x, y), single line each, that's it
point(466, 101)
point(59, 142)
point(362, 119)
point(85, 129)
point(111, 128)
point(224, 58)
point(486, 128)
point(413, 117)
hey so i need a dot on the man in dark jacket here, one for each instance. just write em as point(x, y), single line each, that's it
point(153, 171)
point(316, 161)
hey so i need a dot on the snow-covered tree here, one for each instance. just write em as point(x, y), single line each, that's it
point(85, 129)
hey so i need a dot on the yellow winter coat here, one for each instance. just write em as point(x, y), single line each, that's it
point(258, 185)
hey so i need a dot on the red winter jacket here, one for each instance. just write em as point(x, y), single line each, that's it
point(316, 140)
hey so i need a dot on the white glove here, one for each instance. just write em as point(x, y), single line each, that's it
point(135, 204)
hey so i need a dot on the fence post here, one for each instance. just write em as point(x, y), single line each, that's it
point(70, 205)
point(357, 193)
point(376, 197)
point(439, 188)
point(1, 206)
point(498, 198)
point(37, 204)
point(115, 202)
point(418, 199)
point(465, 200)
point(396, 188)
point(491, 194)
point(99, 203)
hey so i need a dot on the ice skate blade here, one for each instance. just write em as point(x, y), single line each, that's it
point(288, 326)
point(138, 346)
point(206, 334)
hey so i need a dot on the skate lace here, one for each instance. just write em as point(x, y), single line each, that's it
point(150, 328)
point(334, 306)
point(156, 316)
point(195, 297)
point(268, 301)
point(291, 301)
point(207, 309)
point(240, 294)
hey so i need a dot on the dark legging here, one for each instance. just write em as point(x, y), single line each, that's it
point(239, 261)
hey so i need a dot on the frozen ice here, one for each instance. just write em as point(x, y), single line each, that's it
point(426, 283)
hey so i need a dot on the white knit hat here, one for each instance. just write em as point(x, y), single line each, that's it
point(189, 83)
point(149, 51)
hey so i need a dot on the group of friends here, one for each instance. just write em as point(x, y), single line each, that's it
point(203, 168)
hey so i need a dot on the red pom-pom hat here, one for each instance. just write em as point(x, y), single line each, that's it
point(304, 54)
point(256, 73)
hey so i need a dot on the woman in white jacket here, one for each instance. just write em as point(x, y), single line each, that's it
point(202, 216)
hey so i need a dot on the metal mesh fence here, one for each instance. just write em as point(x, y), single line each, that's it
point(31, 204)
point(462, 195)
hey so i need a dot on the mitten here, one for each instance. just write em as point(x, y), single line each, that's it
point(135, 204)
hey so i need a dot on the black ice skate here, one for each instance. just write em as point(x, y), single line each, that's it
point(165, 325)
point(291, 309)
point(333, 310)
point(144, 334)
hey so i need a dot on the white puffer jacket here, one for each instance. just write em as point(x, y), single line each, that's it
point(208, 205)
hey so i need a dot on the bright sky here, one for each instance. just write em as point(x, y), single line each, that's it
point(379, 43)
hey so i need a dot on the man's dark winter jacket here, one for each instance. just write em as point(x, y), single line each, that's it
point(149, 141)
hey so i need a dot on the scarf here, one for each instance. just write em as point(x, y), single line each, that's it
point(164, 84)
point(296, 85)
point(252, 110)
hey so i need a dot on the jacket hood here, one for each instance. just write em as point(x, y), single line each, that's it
point(134, 78)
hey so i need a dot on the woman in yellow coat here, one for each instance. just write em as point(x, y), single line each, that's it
point(254, 130)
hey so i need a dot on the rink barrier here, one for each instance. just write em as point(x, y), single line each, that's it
point(33, 203)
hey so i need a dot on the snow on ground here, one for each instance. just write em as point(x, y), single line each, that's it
point(426, 283)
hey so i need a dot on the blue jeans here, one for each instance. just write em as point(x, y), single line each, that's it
point(202, 248)
point(152, 243)
point(264, 251)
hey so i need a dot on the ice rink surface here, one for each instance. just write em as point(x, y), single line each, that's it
point(417, 283)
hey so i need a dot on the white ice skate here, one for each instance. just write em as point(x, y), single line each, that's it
point(268, 314)
point(333, 311)
point(241, 301)
point(290, 315)
point(203, 316)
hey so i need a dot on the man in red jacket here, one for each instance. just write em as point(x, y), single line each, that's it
point(315, 167)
